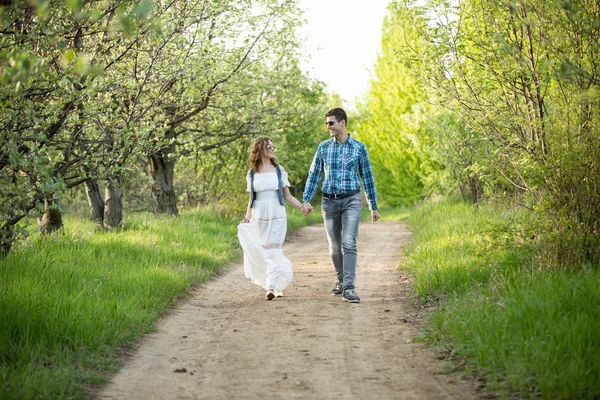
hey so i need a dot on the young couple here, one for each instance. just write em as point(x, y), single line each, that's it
point(345, 162)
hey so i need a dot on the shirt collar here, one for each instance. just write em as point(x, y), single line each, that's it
point(349, 140)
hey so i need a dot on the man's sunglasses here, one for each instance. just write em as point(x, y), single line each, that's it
point(330, 123)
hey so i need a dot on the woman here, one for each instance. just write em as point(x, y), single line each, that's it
point(263, 229)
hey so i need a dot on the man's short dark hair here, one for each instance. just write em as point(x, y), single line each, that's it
point(338, 113)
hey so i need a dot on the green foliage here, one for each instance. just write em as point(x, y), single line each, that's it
point(54, 101)
point(90, 89)
point(392, 115)
point(254, 88)
point(218, 176)
point(511, 114)
point(529, 332)
point(299, 139)
point(457, 149)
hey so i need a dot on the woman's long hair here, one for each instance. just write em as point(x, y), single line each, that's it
point(256, 151)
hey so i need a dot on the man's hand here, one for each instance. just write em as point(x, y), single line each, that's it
point(374, 215)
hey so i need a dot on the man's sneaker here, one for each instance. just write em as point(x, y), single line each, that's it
point(350, 296)
point(337, 290)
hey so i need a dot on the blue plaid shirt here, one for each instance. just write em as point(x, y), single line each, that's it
point(342, 162)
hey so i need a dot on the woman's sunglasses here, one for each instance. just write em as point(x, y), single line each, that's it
point(271, 147)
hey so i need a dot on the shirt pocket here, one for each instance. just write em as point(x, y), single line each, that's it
point(351, 162)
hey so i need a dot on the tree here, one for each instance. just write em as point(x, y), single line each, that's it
point(235, 60)
point(89, 88)
point(45, 79)
point(392, 115)
point(522, 79)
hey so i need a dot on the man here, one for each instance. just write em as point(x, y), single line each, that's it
point(342, 158)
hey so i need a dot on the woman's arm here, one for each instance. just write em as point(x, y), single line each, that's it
point(248, 216)
point(291, 199)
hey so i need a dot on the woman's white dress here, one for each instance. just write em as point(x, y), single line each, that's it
point(262, 238)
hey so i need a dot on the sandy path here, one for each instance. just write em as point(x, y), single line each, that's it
point(307, 345)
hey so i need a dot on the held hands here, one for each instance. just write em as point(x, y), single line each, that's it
point(306, 208)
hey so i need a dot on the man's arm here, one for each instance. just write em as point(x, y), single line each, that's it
point(366, 174)
point(314, 175)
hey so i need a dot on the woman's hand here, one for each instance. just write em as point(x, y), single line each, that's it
point(244, 221)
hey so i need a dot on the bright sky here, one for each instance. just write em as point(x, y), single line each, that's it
point(342, 43)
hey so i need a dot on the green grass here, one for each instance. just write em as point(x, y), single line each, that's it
point(450, 252)
point(73, 301)
point(530, 332)
point(386, 213)
point(296, 219)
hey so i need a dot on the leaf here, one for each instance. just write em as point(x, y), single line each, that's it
point(144, 9)
point(95, 71)
point(82, 64)
point(69, 56)
point(75, 5)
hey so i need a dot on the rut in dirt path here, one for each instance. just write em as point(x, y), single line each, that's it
point(227, 342)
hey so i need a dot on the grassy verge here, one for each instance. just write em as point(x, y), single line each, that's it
point(530, 332)
point(296, 219)
point(72, 302)
point(386, 213)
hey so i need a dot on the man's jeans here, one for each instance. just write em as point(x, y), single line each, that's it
point(341, 218)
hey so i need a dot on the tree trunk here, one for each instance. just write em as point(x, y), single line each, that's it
point(473, 187)
point(95, 201)
point(6, 240)
point(51, 221)
point(113, 210)
point(160, 171)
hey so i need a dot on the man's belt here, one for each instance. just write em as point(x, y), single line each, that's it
point(340, 195)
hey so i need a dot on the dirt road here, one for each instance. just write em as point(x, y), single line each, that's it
point(233, 344)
